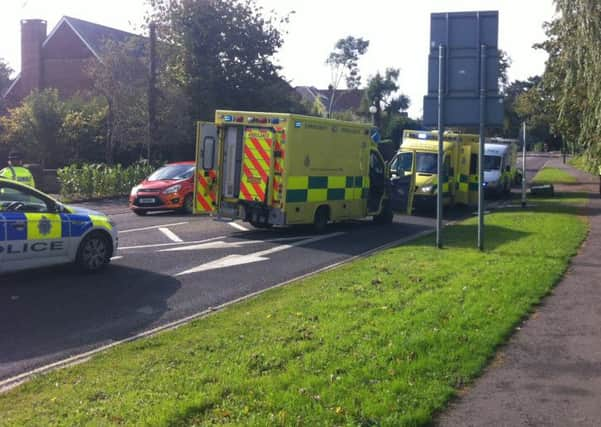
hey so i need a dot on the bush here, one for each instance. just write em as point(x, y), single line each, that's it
point(100, 180)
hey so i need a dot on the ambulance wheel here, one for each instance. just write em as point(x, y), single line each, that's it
point(140, 212)
point(320, 222)
point(188, 205)
point(94, 252)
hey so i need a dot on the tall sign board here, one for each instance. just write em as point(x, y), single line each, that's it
point(463, 86)
point(462, 34)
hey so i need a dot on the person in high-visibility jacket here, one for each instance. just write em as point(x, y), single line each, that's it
point(16, 171)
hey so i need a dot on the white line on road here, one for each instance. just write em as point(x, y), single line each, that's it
point(118, 257)
point(220, 244)
point(235, 259)
point(153, 227)
point(160, 245)
point(238, 226)
point(170, 234)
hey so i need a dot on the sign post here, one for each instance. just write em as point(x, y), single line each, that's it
point(463, 88)
point(439, 199)
point(481, 147)
point(524, 164)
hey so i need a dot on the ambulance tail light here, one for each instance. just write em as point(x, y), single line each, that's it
point(239, 119)
point(262, 120)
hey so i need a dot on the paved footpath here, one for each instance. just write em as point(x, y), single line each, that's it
point(549, 374)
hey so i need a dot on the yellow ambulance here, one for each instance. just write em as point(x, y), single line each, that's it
point(284, 169)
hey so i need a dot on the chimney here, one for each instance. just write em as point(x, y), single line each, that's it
point(33, 34)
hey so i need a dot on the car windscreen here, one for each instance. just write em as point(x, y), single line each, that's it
point(426, 162)
point(492, 163)
point(175, 172)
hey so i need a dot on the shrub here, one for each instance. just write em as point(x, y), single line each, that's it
point(100, 180)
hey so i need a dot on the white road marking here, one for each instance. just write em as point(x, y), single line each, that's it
point(115, 258)
point(162, 245)
point(170, 234)
point(221, 244)
point(232, 260)
point(153, 227)
point(238, 226)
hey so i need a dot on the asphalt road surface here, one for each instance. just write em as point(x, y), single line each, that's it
point(169, 267)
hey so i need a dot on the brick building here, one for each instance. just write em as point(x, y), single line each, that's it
point(58, 59)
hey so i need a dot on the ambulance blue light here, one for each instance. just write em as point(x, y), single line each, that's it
point(275, 121)
point(228, 118)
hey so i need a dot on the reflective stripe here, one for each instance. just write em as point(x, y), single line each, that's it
point(13, 223)
point(326, 188)
point(256, 164)
point(42, 226)
point(2, 229)
point(18, 174)
point(80, 224)
point(99, 221)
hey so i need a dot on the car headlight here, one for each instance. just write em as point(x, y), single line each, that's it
point(426, 189)
point(134, 190)
point(172, 189)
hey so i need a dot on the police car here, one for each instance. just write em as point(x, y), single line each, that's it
point(38, 231)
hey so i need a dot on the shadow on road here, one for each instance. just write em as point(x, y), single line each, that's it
point(45, 313)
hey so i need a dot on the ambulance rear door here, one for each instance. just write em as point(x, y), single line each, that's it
point(207, 168)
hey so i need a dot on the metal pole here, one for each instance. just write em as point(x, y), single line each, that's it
point(439, 183)
point(524, 164)
point(152, 91)
point(481, 147)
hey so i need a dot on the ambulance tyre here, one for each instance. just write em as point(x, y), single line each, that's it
point(188, 207)
point(94, 252)
point(320, 221)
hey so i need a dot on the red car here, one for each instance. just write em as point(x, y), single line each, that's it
point(168, 188)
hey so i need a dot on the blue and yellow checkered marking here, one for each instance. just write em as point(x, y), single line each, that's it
point(15, 226)
point(302, 189)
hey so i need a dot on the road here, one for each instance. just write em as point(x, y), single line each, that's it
point(169, 267)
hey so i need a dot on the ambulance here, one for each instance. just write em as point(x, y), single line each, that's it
point(275, 169)
point(418, 157)
point(500, 171)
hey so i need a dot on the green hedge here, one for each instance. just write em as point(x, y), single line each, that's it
point(100, 180)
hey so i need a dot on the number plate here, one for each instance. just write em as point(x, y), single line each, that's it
point(146, 200)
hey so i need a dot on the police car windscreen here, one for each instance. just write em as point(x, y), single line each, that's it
point(175, 172)
point(426, 162)
point(27, 202)
point(492, 163)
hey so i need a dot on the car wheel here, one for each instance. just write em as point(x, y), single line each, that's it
point(140, 212)
point(188, 206)
point(94, 252)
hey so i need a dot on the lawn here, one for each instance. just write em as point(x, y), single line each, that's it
point(386, 340)
point(549, 175)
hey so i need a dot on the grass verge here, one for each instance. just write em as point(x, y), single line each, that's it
point(383, 341)
point(549, 175)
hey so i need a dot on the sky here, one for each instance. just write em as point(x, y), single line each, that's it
point(398, 31)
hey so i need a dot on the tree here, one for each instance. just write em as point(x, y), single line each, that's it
point(571, 76)
point(35, 127)
point(121, 78)
point(5, 81)
point(223, 55)
point(344, 63)
point(380, 91)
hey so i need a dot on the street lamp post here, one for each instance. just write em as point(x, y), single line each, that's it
point(373, 110)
